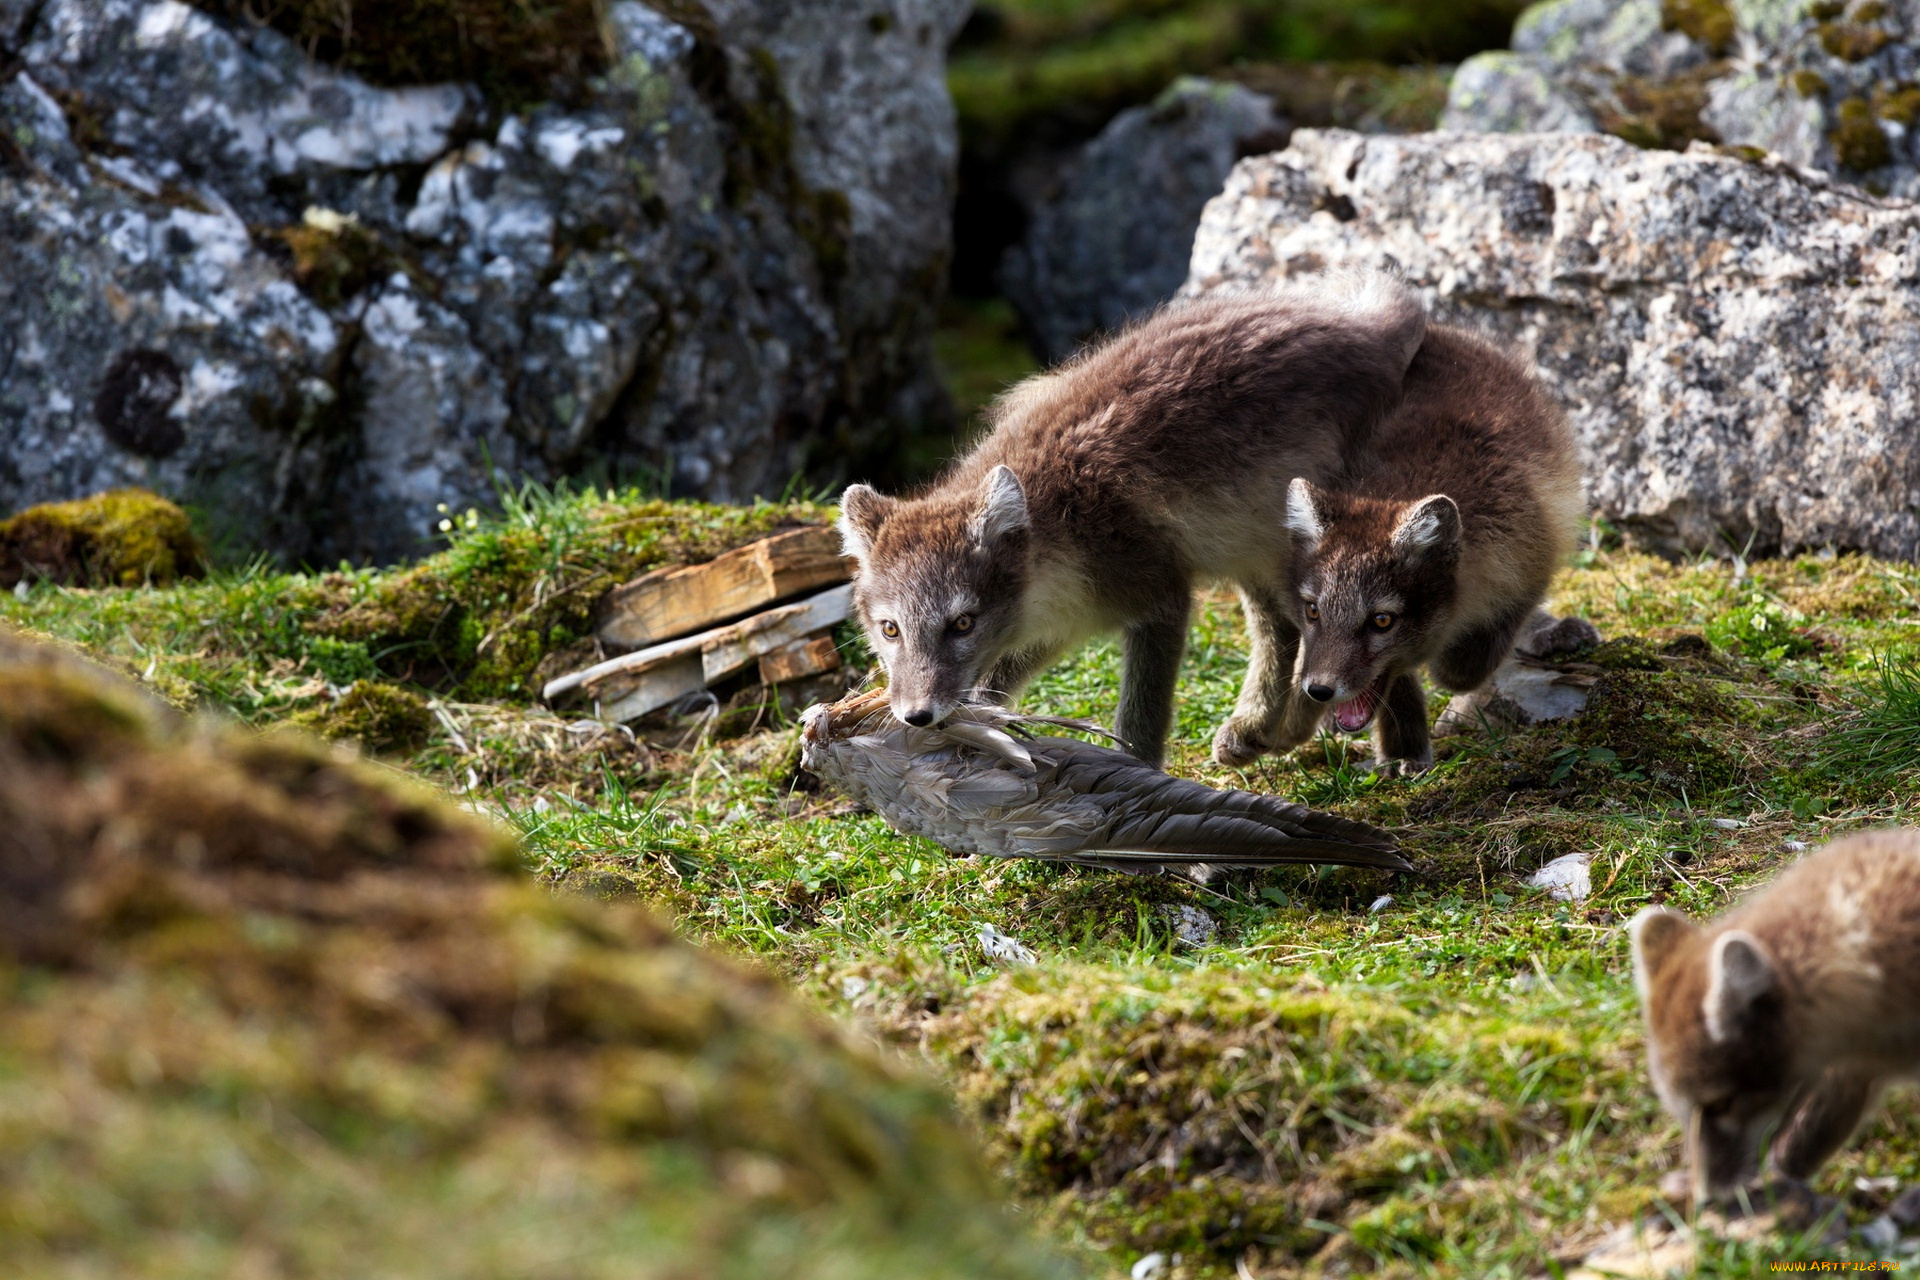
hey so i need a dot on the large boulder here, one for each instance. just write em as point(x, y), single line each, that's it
point(316, 309)
point(1111, 241)
point(1737, 343)
point(266, 1008)
point(1829, 85)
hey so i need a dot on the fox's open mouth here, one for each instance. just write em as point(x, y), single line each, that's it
point(1356, 713)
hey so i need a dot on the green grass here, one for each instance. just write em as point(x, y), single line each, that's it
point(1045, 64)
point(1451, 1085)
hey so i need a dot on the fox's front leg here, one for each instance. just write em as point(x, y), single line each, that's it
point(1823, 1118)
point(1270, 715)
point(1010, 675)
point(1149, 671)
point(1401, 740)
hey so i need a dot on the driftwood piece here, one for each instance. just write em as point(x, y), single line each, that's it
point(802, 658)
point(633, 684)
point(675, 602)
point(628, 695)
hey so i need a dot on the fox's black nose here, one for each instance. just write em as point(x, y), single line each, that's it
point(918, 719)
point(1320, 692)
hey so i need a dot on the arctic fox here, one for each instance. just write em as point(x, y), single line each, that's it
point(1108, 488)
point(1432, 552)
point(1792, 1010)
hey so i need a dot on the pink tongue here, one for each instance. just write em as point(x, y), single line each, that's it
point(1354, 712)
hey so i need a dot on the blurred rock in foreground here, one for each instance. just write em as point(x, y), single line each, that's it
point(1111, 242)
point(1738, 344)
point(316, 308)
point(267, 1009)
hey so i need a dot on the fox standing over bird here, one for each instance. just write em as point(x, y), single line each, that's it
point(1434, 551)
point(1788, 1014)
point(1108, 488)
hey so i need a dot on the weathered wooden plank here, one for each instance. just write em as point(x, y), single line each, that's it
point(714, 654)
point(801, 659)
point(629, 695)
point(732, 648)
point(674, 602)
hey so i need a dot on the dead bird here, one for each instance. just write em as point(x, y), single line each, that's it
point(983, 782)
point(1787, 1016)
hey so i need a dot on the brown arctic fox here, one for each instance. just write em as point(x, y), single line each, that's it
point(1107, 488)
point(1432, 552)
point(1794, 1009)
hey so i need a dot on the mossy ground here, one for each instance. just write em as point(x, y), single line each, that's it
point(1450, 1085)
point(266, 1009)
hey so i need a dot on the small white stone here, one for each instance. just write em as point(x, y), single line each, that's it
point(1150, 1267)
point(1566, 878)
point(1728, 824)
point(1191, 925)
point(1880, 1234)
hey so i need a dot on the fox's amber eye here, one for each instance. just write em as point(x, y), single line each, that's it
point(1313, 612)
point(1381, 621)
point(890, 629)
point(963, 623)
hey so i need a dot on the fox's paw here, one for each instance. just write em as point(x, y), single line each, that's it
point(1238, 742)
point(1401, 768)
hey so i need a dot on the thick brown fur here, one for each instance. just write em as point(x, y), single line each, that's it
point(1107, 489)
point(1433, 551)
point(1794, 1009)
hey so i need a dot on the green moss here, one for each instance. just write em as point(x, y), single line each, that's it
point(335, 257)
point(1899, 103)
point(1808, 84)
point(519, 52)
point(1858, 140)
point(1710, 22)
point(294, 1001)
point(1663, 113)
point(1826, 10)
point(122, 538)
point(380, 717)
point(1852, 42)
point(480, 616)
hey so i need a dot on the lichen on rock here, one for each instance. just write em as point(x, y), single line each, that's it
point(1812, 83)
point(258, 998)
point(123, 538)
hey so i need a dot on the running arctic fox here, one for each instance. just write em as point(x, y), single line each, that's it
point(1107, 488)
point(1433, 552)
point(1793, 1009)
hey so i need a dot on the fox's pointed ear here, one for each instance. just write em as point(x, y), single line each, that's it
point(1002, 509)
point(1739, 972)
point(1428, 527)
point(862, 511)
point(1655, 933)
point(1303, 511)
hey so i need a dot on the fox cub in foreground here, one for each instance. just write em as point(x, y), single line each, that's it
point(1794, 1009)
point(1434, 551)
point(1108, 488)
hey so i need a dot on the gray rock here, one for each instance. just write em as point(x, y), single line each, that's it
point(1737, 344)
point(1820, 93)
point(146, 340)
point(721, 265)
point(1113, 241)
point(1504, 92)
